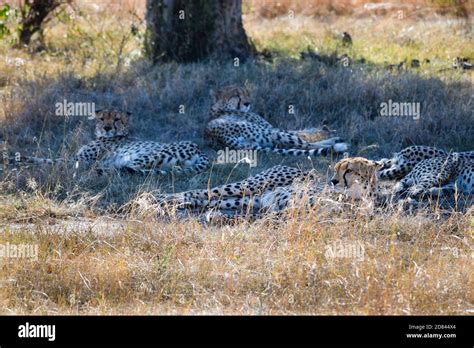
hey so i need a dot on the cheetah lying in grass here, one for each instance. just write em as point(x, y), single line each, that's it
point(232, 124)
point(428, 170)
point(112, 149)
point(282, 187)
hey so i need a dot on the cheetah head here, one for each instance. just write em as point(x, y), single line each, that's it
point(111, 123)
point(356, 175)
point(231, 98)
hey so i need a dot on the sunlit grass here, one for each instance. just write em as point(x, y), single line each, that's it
point(380, 41)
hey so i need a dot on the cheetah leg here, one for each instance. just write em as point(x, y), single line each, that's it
point(439, 191)
point(196, 165)
point(288, 140)
point(225, 203)
point(465, 179)
point(241, 144)
point(204, 198)
point(129, 170)
point(401, 187)
point(392, 173)
point(327, 142)
point(423, 187)
point(254, 185)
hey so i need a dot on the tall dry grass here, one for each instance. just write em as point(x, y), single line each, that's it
point(410, 265)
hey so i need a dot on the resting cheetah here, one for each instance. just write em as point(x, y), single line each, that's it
point(277, 176)
point(425, 168)
point(112, 149)
point(404, 161)
point(281, 187)
point(437, 174)
point(358, 177)
point(233, 124)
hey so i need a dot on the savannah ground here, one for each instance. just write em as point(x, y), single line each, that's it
point(102, 247)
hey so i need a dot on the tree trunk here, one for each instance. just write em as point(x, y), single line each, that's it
point(192, 30)
point(33, 18)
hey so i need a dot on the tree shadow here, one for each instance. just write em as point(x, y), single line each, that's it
point(170, 102)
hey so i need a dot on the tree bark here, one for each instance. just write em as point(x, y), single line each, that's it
point(34, 15)
point(193, 30)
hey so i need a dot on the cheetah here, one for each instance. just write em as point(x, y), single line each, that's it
point(439, 174)
point(423, 168)
point(404, 161)
point(232, 124)
point(282, 187)
point(274, 177)
point(271, 190)
point(358, 177)
point(113, 149)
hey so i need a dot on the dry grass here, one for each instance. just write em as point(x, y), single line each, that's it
point(359, 8)
point(103, 250)
point(410, 266)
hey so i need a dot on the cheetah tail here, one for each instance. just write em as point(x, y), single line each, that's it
point(301, 152)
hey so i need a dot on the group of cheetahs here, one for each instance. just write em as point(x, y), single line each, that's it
point(418, 170)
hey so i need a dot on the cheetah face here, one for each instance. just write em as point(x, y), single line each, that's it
point(355, 173)
point(111, 123)
point(231, 98)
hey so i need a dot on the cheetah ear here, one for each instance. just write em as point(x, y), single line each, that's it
point(371, 169)
point(128, 113)
point(379, 164)
point(94, 115)
point(366, 169)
